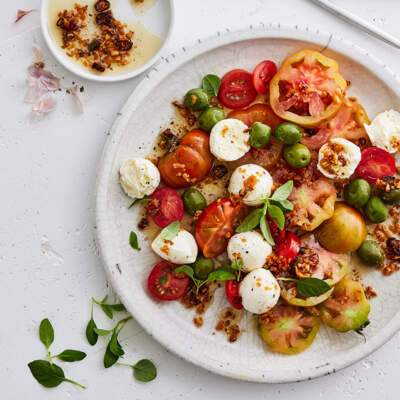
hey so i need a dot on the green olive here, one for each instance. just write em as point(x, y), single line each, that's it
point(376, 210)
point(297, 155)
point(197, 99)
point(392, 197)
point(371, 253)
point(208, 118)
point(357, 193)
point(202, 267)
point(288, 133)
point(193, 201)
point(260, 134)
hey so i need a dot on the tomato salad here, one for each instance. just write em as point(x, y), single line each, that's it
point(307, 189)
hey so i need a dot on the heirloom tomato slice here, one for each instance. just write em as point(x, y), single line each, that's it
point(166, 207)
point(288, 329)
point(348, 124)
point(307, 89)
point(189, 163)
point(217, 223)
point(375, 163)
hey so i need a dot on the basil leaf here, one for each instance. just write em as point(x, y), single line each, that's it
point(103, 332)
point(48, 375)
point(144, 371)
point(237, 265)
point(109, 357)
point(46, 333)
point(227, 267)
point(211, 84)
point(91, 334)
point(266, 231)
point(163, 280)
point(283, 192)
point(102, 301)
point(284, 205)
point(142, 200)
point(277, 215)
point(220, 275)
point(133, 241)
point(309, 287)
point(117, 307)
point(115, 346)
point(107, 310)
point(251, 221)
point(170, 231)
point(71, 355)
point(190, 273)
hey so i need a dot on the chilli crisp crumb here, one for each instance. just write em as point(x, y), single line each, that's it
point(370, 292)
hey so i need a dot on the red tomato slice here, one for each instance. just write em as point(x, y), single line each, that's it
point(167, 206)
point(375, 164)
point(217, 224)
point(232, 294)
point(165, 284)
point(262, 74)
point(237, 89)
point(290, 247)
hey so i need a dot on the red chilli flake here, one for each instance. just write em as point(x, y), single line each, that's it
point(21, 14)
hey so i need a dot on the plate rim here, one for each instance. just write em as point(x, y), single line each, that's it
point(157, 74)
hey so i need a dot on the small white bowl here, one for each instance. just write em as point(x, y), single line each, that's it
point(166, 17)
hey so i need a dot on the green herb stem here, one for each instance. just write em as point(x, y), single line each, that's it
point(74, 383)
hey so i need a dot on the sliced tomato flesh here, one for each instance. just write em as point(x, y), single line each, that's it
point(375, 163)
point(166, 206)
point(262, 74)
point(290, 247)
point(232, 294)
point(165, 284)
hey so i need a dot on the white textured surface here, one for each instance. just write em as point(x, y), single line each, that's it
point(49, 265)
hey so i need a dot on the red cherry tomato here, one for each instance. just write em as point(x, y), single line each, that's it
point(165, 284)
point(262, 74)
point(232, 294)
point(290, 247)
point(277, 234)
point(237, 89)
point(167, 207)
point(375, 163)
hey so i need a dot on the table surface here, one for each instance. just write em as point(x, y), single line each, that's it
point(49, 263)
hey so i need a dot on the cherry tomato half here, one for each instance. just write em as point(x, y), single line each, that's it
point(290, 247)
point(232, 294)
point(237, 89)
point(165, 284)
point(262, 74)
point(375, 163)
point(217, 224)
point(277, 234)
point(167, 207)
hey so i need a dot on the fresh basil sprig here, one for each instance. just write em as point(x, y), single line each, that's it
point(309, 287)
point(144, 199)
point(46, 372)
point(217, 275)
point(170, 231)
point(275, 207)
point(133, 241)
point(237, 265)
point(211, 84)
point(143, 371)
point(109, 308)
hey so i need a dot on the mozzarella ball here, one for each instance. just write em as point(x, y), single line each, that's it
point(180, 250)
point(384, 131)
point(251, 248)
point(229, 139)
point(252, 183)
point(260, 291)
point(338, 159)
point(139, 177)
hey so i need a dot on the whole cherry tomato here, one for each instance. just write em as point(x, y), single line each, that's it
point(166, 207)
point(165, 284)
point(375, 164)
point(237, 89)
point(290, 247)
point(262, 74)
point(189, 163)
point(232, 294)
point(217, 224)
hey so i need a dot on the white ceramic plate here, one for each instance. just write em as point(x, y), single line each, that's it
point(159, 19)
point(134, 133)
